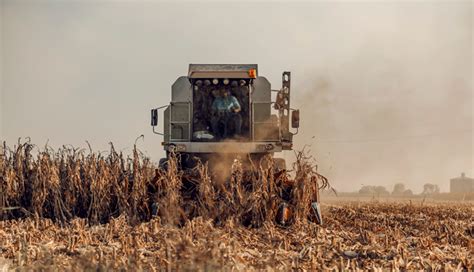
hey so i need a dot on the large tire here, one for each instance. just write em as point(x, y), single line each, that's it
point(163, 164)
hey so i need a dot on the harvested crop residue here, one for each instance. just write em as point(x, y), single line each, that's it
point(355, 235)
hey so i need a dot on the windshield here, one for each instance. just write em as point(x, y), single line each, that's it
point(221, 109)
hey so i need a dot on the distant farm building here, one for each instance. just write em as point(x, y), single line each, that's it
point(461, 184)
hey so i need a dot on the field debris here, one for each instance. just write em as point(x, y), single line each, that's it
point(76, 210)
point(389, 236)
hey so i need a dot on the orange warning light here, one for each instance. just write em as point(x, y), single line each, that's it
point(253, 73)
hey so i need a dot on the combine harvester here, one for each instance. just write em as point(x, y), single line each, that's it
point(222, 115)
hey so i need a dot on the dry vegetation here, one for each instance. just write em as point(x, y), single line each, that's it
point(77, 210)
point(65, 184)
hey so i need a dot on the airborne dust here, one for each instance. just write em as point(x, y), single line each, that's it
point(385, 89)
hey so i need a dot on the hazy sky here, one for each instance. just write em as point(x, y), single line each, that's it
point(385, 88)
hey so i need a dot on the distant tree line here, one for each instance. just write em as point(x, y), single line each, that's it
point(398, 190)
point(373, 190)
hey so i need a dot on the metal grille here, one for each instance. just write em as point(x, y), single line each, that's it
point(180, 121)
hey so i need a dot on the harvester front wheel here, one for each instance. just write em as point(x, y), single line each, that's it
point(163, 164)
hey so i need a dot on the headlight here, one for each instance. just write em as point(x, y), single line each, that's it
point(180, 148)
point(266, 147)
point(176, 148)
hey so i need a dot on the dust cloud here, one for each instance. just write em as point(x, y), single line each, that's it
point(385, 89)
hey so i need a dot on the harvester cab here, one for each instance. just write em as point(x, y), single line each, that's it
point(227, 108)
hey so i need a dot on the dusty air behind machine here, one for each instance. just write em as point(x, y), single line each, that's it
point(265, 129)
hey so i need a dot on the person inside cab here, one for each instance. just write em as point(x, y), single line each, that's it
point(226, 115)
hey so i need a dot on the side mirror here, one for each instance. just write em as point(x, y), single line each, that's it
point(154, 117)
point(295, 119)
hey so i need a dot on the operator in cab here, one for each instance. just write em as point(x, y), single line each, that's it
point(226, 115)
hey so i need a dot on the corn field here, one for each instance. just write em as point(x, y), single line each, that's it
point(68, 183)
point(73, 209)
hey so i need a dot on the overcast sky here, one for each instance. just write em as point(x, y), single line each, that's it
point(385, 88)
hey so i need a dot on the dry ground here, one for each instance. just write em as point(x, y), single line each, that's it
point(413, 236)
